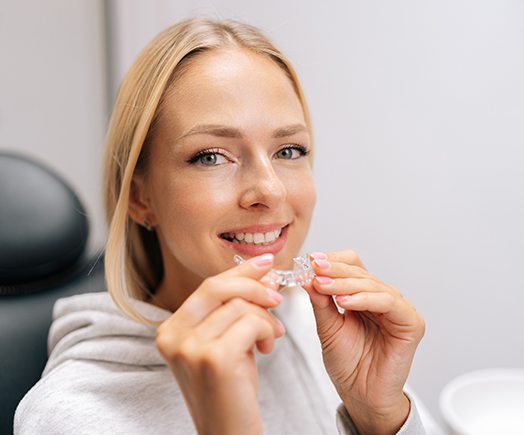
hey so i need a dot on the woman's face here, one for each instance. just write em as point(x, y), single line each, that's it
point(228, 171)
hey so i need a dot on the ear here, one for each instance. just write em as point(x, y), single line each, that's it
point(139, 208)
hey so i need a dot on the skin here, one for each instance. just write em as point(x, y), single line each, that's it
point(220, 313)
point(190, 205)
point(368, 351)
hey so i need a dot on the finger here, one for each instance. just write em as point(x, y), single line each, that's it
point(249, 331)
point(255, 267)
point(339, 270)
point(395, 308)
point(269, 282)
point(363, 301)
point(318, 300)
point(262, 262)
point(347, 286)
point(217, 290)
point(326, 313)
point(348, 257)
point(223, 317)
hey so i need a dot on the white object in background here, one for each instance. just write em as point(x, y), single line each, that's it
point(485, 402)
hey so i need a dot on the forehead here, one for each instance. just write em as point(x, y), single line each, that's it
point(232, 87)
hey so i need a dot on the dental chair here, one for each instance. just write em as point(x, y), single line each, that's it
point(43, 238)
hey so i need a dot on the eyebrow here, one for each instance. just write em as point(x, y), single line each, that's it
point(225, 131)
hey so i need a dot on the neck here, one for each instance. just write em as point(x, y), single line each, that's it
point(173, 290)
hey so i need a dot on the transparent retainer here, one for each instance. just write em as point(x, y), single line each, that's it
point(301, 274)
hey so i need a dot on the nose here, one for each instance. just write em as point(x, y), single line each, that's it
point(263, 187)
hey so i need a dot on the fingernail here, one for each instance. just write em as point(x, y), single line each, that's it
point(324, 280)
point(322, 264)
point(344, 299)
point(276, 296)
point(263, 260)
point(318, 256)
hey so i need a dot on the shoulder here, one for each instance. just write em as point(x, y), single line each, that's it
point(36, 413)
point(86, 397)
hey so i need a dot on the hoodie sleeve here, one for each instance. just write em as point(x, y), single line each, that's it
point(412, 425)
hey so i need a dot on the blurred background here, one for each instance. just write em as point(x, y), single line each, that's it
point(418, 109)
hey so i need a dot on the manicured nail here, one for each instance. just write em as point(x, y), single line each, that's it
point(324, 280)
point(322, 264)
point(263, 260)
point(318, 256)
point(276, 296)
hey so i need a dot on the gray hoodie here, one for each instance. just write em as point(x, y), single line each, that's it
point(105, 376)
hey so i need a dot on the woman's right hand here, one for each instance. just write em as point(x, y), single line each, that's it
point(209, 344)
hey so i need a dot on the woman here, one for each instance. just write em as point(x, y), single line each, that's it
point(209, 155)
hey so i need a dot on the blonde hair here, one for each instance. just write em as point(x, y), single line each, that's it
point(133, 262)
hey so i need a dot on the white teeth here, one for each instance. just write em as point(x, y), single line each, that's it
point(259, 238)
point(272, 236)
point(256, 238)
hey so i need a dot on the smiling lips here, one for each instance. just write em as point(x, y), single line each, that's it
point(257, 240)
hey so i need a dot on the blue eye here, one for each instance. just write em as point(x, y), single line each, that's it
point(208, 158)
point(292, 152)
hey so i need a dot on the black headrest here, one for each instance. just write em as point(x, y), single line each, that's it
point(43, 225)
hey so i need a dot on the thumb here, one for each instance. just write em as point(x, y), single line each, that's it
point(324, 308)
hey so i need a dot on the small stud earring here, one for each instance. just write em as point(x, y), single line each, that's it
point(147, 225)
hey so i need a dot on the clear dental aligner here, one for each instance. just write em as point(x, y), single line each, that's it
point(301, 274)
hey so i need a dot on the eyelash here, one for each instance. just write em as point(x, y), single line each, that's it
point(195, 158)
point(300, 148)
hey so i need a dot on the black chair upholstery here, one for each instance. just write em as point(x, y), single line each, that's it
point(43, 238)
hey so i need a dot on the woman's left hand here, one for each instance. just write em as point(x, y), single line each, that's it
point(369, 349)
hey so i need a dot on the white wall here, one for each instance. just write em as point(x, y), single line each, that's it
point(53, 91)
point(418, 110)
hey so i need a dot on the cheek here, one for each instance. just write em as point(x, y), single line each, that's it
point(302, 194)
point(188, 203)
